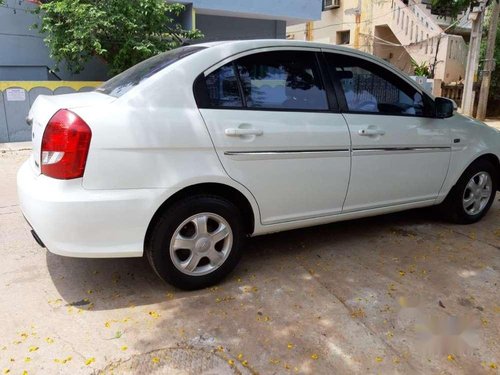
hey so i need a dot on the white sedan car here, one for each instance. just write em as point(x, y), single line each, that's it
point(184, 155)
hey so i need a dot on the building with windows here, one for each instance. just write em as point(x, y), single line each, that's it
point(397, 31)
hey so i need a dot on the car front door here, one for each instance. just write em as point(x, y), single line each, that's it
point(400, 151)
point(277, 132)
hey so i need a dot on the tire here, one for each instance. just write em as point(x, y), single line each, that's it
point(196, 242)
point(454, 205)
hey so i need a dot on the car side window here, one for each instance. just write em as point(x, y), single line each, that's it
point(282, 80)
point(369, 88)
point(223, 88)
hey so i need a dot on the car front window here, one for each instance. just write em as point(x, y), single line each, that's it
point(371, 89)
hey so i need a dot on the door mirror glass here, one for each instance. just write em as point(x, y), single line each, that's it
point(444, 107)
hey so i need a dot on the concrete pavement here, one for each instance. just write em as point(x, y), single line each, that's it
point(403, 293)
point(493, 122)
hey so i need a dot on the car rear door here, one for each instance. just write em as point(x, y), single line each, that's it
point(400, 150)
point(277, 132)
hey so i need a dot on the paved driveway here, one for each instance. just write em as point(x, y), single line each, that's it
point(402, 293)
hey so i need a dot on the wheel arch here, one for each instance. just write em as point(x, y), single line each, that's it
point(493, 159)
point(213, 188)
point(490, 157)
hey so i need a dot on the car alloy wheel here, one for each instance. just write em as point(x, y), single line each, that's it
point(201, 244)
point(477, 193)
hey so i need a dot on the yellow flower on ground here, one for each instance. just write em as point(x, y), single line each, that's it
point(63, 361)
point(89, 361)
point(231, 362)
point(154, 314)
point(49, 340)
point(155, 360)
point(123, 348)
point(290, 346)
point(33, 348)
point(170, 295)
point(314, 356)
point(27, 359)
point(451, 357)
point(379, 359)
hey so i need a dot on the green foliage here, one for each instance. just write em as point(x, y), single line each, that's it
point(453, 8)
point(421, 69)
point(450, 8)
point(121, 32)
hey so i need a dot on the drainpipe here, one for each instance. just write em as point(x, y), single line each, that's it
point(357, 30)
point(357, 16)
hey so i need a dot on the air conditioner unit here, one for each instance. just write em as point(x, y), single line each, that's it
point(331, 4)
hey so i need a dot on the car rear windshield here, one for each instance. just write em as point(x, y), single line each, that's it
point(123, 82)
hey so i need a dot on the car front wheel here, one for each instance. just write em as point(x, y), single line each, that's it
point(196, 242)
point(472, 196)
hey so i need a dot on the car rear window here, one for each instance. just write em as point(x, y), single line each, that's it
point(123, 82)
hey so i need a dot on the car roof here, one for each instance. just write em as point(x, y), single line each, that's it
point(262, 43)
point(236, 46)
point(213, 54)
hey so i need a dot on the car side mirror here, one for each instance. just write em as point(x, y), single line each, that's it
point(444, 107)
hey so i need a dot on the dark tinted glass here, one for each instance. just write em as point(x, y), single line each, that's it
point(371, 89)
point(123, 82)
point(222, 86)
point(282, 80)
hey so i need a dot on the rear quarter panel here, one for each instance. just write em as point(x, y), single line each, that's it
point(152, 137)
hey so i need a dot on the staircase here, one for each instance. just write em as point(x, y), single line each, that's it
point(423, 39)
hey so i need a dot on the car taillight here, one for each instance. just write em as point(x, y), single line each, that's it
point(65, 146)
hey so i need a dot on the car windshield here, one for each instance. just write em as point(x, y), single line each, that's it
point(123, 82)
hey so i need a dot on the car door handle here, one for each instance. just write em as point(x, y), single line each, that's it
point(237, 132)
point(371, 132)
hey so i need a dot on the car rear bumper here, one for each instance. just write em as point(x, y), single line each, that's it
point(75, 222)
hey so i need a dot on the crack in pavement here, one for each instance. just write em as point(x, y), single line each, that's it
point(70, 345)
point(12, 205)
point(459, 233)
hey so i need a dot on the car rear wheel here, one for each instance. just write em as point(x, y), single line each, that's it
point(196, 242)
point(472, 196)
